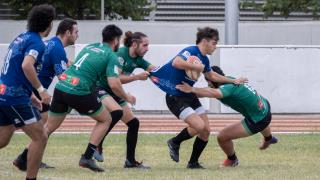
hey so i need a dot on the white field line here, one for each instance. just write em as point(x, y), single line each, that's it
point(152, 132)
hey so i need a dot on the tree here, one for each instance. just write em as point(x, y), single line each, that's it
point(285, 7)
point(86, 9)
point(124, 9)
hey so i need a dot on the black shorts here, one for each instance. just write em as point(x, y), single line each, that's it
point(63, 102)
point(18, 115)
point(252, 127)
point(45, 107)
point(183, 106)
point(102, 93)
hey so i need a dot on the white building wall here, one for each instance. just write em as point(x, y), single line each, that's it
point(289, 77)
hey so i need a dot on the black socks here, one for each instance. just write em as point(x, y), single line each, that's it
point(132, 138)
point(198, 147)
point(24, 154)
point(116, 116)
point(182, 136)
point(89, 151)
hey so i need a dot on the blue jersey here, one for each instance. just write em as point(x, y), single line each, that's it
point(15, 88)
point(167, 77)
point(54, 61)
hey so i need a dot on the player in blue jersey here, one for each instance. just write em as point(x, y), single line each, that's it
point(18, 78)
point(186, 106)
point(54, 62)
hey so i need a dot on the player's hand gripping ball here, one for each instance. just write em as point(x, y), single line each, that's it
point(192, 74)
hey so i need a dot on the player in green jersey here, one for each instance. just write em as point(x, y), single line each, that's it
point(130, 57)
point(75, 90)
point(245, 100)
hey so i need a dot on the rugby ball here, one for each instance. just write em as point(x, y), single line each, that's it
point(194, 75)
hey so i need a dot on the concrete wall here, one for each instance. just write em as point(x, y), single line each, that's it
point(297, 75)
point(287, 76)
point(296, 33)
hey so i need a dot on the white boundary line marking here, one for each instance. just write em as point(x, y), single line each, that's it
point(82, 132)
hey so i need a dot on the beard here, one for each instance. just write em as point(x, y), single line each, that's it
point(140, 53)
point(71, 42)
point(116, 48)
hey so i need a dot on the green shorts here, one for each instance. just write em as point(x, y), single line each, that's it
point(102, 93)
point(254, 127)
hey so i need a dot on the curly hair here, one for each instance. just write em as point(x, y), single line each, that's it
point(40, 17)
point(133, 37)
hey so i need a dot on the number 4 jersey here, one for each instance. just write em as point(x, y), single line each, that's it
point(93, 62)
point(15, 88)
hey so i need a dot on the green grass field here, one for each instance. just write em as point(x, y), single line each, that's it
point(294, 157)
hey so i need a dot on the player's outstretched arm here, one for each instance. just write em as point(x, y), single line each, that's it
point(215, 77)
point(134, 77)
point(201, 92)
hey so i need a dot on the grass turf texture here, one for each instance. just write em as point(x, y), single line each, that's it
point(294, 157)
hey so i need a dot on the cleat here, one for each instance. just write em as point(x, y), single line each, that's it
point(229, 163)
point(266, 144)
point(195, 165)
point(136, 164)
point(98, 155)
point(20, 163)
point(173, 150)
point(90, 164)
point(46, 166)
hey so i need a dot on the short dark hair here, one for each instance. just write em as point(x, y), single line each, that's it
point(65, 25)
point(133, 37)
point(207, 33)
point(40, 17)
point(110, 32)
point(219, 71)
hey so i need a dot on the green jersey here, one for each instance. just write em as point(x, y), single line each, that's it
point(92, 63)
point(127, 64)
point(244, 100)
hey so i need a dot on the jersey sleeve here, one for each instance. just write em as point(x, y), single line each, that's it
point(186, 53)
point(144, 64)
point(120, 62)
point(206, 64)
point(59, 60)
point(113, 66)
point(35, 49)
point(227, 90)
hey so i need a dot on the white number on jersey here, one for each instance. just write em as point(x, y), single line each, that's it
point(80, 61)
point(6, 62)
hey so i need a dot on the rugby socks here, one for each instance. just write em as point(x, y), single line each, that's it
point(24, 154)
point(198, 147)
point(182, 136)
point(268, 138)
point(132, 137)
point(89, 151)
point(232, 157)
point(116, 116)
